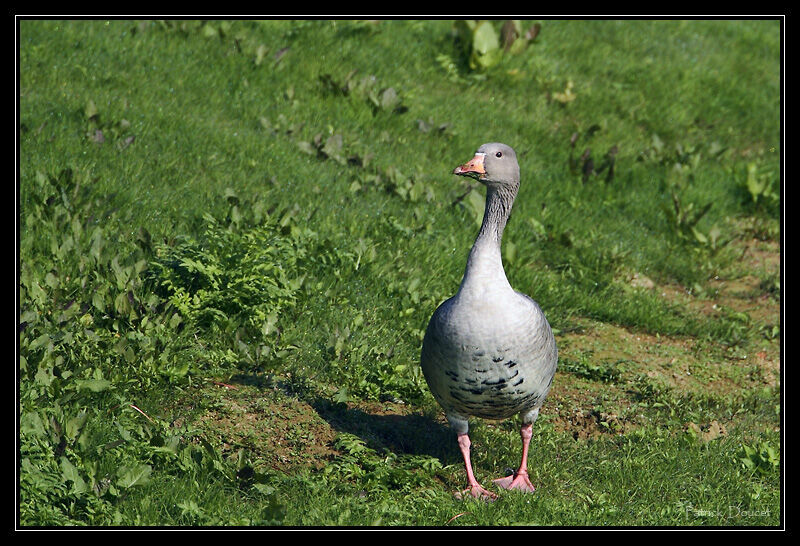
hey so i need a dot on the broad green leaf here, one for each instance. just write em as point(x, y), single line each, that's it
point(699, 235)
point(70, 473)
point(44, 376)
point(230, 196)
point(98, 301)
point(261, 52)
point(389, 99)
point(94, 385)
point(91, 110)
point(75, 424)
point(485, 38)
point(130, 476)
point(51, 280)
point(485, 46)
point(121, 304)
point(97, 244)
point(209, 31)
point(31, 423)
point(40, 341)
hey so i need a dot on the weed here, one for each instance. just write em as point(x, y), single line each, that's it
point(762, 458)
point(585, 368)
point(760, 184)
point(484, 46)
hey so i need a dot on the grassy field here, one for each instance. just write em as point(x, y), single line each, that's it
point(232, 235)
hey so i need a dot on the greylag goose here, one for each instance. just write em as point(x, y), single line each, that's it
point(488, 351)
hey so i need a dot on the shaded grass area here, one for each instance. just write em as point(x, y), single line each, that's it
point(248, 203)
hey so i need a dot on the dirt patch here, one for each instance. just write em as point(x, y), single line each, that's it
point(747, 291)
point(285, 430)
point(603, 367)
point(707, 432)
point(586, 423)
point(392, 427)
point(278, 431)
point(683, 363)
point(750, 284)
point(750, 294)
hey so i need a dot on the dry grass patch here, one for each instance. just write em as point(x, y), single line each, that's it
point(279, 431)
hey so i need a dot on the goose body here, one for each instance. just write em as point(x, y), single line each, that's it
point(488, 351)
point(491, 360)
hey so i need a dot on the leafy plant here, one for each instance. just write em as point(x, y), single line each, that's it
point(99, 129)
point(233, 278)
point(566, 96)
point(762, 458)
point(96, 339)
point(760, 185)
point(606, 373)
point(378, 472)
point(683, 217)
point(382, 99)
point(485, 47)
point(585, 165)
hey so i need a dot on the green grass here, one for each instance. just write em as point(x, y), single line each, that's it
point(245, 203)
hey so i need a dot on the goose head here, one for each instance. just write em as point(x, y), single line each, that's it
point(494, 164)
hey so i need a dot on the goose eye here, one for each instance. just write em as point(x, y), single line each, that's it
point(499, 154)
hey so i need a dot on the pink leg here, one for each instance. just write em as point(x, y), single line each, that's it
point(520, 478)
point(475, 488)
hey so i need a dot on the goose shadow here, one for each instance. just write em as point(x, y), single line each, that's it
point(382, 431)
point(402, 434)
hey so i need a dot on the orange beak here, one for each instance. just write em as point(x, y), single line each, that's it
point(473, 168)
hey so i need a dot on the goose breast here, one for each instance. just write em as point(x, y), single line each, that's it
point(491, 359)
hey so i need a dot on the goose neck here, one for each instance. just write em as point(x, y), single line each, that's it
point(485, 265)
point(499, 201)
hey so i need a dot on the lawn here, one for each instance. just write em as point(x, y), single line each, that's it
point(232, 235)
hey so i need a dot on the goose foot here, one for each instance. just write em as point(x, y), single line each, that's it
point(476, 492)
point(519, 481)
